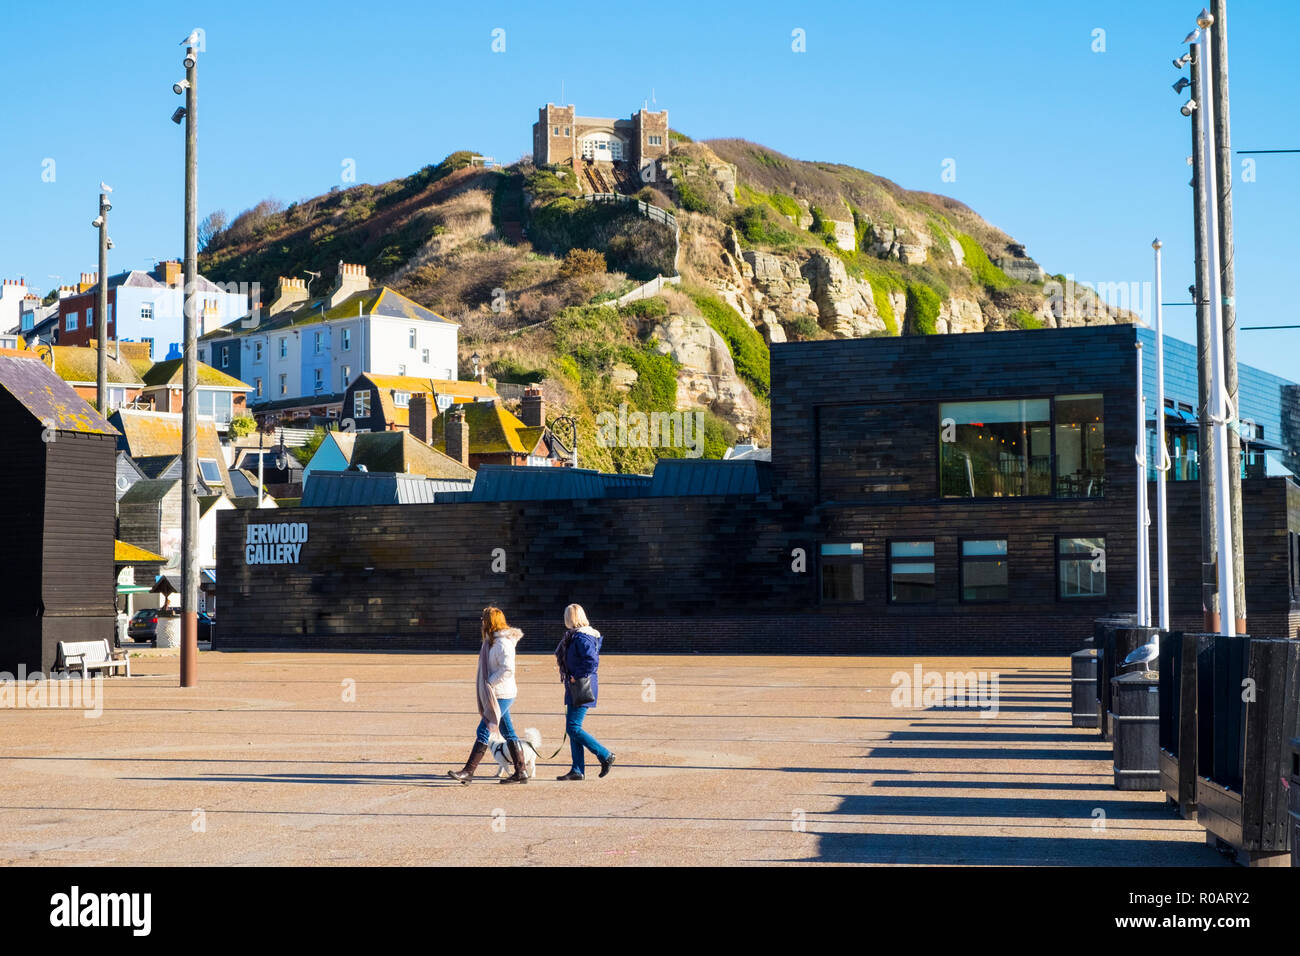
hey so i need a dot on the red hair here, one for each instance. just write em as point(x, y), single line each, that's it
point(494, 619)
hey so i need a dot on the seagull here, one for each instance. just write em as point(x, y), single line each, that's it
point(1144, 655)
point(190, 40)
point(105, 187)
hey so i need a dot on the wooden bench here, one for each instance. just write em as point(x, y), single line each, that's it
point(88, 656)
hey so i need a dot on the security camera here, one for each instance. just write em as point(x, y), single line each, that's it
point(1187, 108)
point(178, 115)
point(189, 61)
point(180, 87)
point(97, 221)
point(1182, 84)
point(106, 206)
point(1182, 61)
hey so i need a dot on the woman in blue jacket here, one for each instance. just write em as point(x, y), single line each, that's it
point(578, 656)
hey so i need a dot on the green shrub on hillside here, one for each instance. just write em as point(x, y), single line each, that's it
point(984, 271)
point(922, 309)
point(1024, 319)
point(508, 370)
point(756, 224)
point(748, 350)
point(689, 198)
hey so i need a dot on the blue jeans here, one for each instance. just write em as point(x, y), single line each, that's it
point(579, 738)
point(506, 727)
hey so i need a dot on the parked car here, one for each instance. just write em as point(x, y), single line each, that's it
point(143, 625)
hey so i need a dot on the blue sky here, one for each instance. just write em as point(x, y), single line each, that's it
point(1081, 155)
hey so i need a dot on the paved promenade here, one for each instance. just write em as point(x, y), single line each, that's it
point(298, 758)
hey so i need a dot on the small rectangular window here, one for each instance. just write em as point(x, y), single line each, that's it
point(148, 341)
point(284, 384)
point(401, 370)
point(347, 340)
point(258, 382)
point(345, 374)
point(984, 570)
point(284, 347)
point(424, 356)
point(319, 379)
point(225, 356)
point(317, 340)
point(843, 577)
point(209, 470)
point(361, 403)
point(71, 324)
point(412, 338)
point(402, 399)
point(146, 311)
point(1081, 567)
point(911, 572)
point(257, 351)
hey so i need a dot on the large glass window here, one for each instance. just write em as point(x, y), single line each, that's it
point(995, 449)
point(1080, 447)
point(911, 572)
point(984, 570)
point(1081, 567)
point(842, 573)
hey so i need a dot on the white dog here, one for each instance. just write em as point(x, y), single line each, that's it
point(530, 741)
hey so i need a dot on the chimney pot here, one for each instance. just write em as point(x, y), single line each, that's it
point(457, 431)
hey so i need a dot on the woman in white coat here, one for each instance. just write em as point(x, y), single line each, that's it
point(497, 690)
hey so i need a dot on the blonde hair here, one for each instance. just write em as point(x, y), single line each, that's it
point(575, 617)
point(494, 619)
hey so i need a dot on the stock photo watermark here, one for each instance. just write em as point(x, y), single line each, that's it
point(632, 429)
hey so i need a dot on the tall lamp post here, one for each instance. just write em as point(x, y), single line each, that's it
point(1162, 460)
point(100, 223)
point(189, 408)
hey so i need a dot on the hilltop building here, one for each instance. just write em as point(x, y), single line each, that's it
point(561, 137)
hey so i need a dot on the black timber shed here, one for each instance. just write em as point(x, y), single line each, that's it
point(58, 504)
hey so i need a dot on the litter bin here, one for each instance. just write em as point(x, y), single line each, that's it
point(1119, 642)
point(120, 634)
point(1135, 719)
point(1294, 790)
point(1083, 688)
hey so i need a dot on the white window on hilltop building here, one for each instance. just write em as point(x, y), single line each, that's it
point(411, 337)
point(146, 311)
point(345, 375)
point(347, 340)
point(401, 370)
point(656, 140)
point(284, 384)
point(257, 351)
point(320, 379)
point(258, 382)
point(317, 340)
point(284, 346)
point(402, 399)
point(424, 356)
point(361, 403)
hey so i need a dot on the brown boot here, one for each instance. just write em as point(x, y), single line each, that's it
point(466, 774)
point(517, 755)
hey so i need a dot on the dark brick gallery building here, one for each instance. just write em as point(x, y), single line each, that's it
point(960, 493)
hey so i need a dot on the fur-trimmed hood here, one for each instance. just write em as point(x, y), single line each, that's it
point(511, 634)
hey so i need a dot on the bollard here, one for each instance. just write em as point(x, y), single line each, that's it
point(1135, 717)
point(1083, 688)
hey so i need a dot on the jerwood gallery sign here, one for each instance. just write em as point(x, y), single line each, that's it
point(279, 543)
